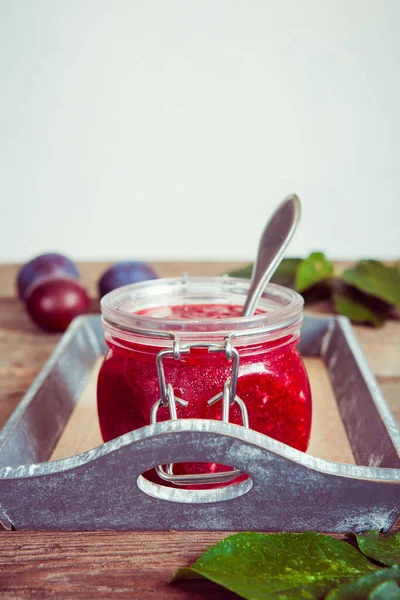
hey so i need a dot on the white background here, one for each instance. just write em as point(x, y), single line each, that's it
point(171, 128)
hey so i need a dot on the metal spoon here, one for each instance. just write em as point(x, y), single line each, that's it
point(274, 240)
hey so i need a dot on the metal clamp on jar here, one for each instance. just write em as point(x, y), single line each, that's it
point(228, 397)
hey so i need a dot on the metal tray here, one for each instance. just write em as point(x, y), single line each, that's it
point(287, 489)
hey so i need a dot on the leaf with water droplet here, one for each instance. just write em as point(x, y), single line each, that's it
point(360, 588)
point(385, 549)
point(389, 590)
point(282, 565)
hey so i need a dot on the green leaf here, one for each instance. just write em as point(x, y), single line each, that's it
point(312, 270)
point(385, 549)
point(356, 307)
point(279, 566)
point(376, 279)
point(244, 272)
point(284, 274)
point(360, 588)
point(389, 590)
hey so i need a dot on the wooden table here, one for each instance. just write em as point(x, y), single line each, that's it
point(124, 564)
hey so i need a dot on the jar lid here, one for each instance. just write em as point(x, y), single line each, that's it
point(282, 308)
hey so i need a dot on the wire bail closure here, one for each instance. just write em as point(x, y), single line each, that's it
point(169, 400)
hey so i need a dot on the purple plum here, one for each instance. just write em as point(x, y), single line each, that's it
point(44, 266)
point(53, 302)
point(123, 273)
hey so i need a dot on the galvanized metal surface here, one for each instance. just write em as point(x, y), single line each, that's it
point(288, 490)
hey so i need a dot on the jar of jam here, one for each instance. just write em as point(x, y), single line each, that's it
point(179, 348)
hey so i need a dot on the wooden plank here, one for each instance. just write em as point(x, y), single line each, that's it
point(103, 565)
point(23, 352)
point(328, 438)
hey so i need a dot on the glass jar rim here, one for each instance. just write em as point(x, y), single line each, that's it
point(282, 307)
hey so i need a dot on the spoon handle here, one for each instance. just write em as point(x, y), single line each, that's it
point(274, 240)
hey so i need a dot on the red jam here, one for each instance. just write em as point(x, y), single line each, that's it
point(272, 382)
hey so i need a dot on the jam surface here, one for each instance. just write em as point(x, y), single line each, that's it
point(196, 311)
point(272, 382)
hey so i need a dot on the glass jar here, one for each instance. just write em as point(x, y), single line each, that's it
point(164, 337)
